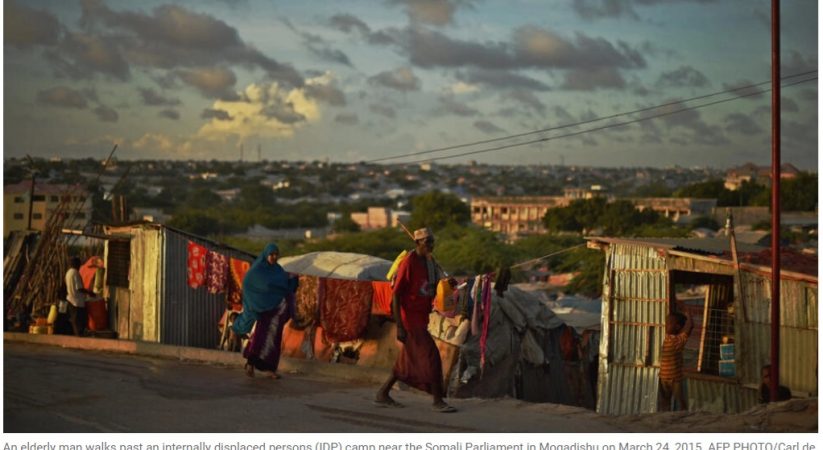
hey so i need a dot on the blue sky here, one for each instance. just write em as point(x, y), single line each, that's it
point(360, 80)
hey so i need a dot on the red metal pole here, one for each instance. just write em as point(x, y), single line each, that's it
point(775, 316)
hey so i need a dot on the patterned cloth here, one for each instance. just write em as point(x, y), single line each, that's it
point(344, 308)
point(381, 300)
point(263, 349)
point(237, 270)
point(415, 289)
point(196, 265)
point(217, 273)
point(306, 311)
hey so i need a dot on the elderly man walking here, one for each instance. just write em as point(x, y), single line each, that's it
point(418, 364)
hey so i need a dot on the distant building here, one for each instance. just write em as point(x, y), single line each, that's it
point(155, 215)
point(379, 217)
point(228, 195)
point(595, 190)
point(47, 197)
point(735, 177)
point(514, 216)
point(677, 209)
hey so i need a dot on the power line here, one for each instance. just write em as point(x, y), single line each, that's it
point(586, 122)
point(604, 127)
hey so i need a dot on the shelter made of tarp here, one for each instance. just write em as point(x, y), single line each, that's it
point(523, 355)
point(339, 265)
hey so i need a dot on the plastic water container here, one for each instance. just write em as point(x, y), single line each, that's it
point(727, 369)
point(727, 352)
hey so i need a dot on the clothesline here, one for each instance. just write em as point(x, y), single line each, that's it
point(524, 263)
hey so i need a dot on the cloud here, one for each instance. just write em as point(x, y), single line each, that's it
point(531, 47)
point(432, 12)
point(217, 114)
point(600, 9)
point(589, 80)
point(809, 95)
point(682, 118)
point(62, 97)
point(81, 56)
point(383, 110)
point(174, 37)
point(488, 127)
point(319, 46)
point(788, 105)
point(526, 98)
point(744, 89)
point(501, 79)
point(170, 114)
point(564, 115)
point(450, 105)
point(742, 124)
point(346, 119)
point(153, 98)
point(212, 82)
point(324, 89)
point(683, 76)
point(106, 114)
point(795, 64)
point(25, 27)
point(265, 110)
point(401, 79)
point(348, 23)
point(462, 88)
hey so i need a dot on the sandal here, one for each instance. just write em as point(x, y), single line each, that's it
point(388, 402)
point(273, 375)
point(444, 408)
point(249, 370)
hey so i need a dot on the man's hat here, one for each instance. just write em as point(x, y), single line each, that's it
point(423, 233)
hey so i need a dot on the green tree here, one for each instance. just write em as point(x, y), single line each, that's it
point(705, 189)
point(800, 193)
point(436, 210)
point(345, 225)
point(202, 198)
point(195, 222)
point(704, 222)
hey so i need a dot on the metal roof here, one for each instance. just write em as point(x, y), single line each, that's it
point(705, 246)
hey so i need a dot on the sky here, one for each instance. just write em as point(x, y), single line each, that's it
point(358, 80)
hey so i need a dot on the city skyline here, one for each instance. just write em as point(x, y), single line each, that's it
point(360, 81)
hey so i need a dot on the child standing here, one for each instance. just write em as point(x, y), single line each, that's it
point(678, 328)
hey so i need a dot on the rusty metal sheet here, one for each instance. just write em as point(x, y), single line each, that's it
point(719, 396)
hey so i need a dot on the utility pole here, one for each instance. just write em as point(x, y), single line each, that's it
point(775, 313)
point(31, 198)
point(241, 152)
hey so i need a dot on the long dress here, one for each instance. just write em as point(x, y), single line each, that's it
point(418, 364)
point(265, 291)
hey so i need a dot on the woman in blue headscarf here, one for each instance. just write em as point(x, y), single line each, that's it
point(268, 298)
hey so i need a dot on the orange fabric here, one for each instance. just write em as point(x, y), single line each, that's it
point(381, 300)
point(345, 306)
point(98, 319)
point(237, 270)
point(88, 270)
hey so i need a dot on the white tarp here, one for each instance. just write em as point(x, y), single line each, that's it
point(347, 266)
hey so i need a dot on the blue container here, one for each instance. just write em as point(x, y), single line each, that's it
point(727, 369)
point(726, 352)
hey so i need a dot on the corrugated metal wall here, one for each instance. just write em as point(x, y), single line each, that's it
point(189, 317)
point(144, 285)
point(798, 332)
point(636, 292)
point(719, 397)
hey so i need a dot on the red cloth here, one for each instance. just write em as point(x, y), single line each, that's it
point(237, 271)
point(197, 265)
point(345, 307)
point(218, 272)
point(88, 270)
point(414, 291)
point(381, 300)
point(418, 364)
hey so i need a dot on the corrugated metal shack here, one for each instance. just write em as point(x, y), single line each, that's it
point(640, 284)
point(147, 279)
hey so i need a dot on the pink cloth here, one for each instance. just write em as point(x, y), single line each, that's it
point(217, 274)
point(487, 310)
point(196, 265)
